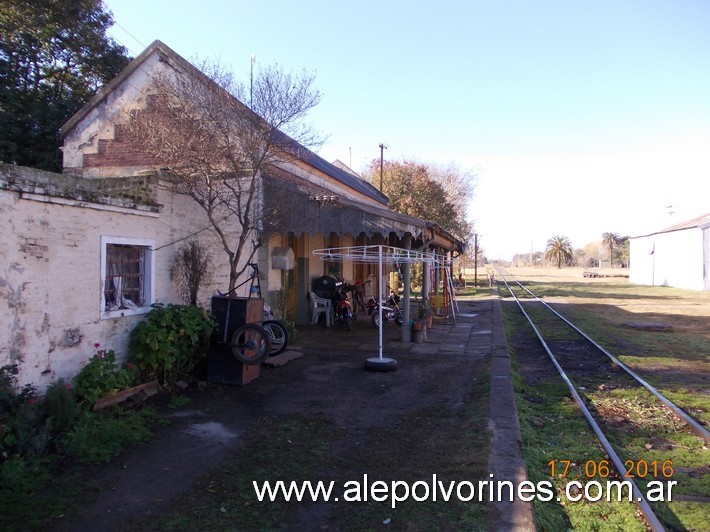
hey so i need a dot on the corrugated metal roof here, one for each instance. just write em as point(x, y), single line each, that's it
point(699, 221)
point(688, 224)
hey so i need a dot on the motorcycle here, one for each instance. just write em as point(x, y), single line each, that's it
point(390, 310)
point(343, 309)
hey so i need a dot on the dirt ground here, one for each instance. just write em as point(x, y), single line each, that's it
point(328, 379)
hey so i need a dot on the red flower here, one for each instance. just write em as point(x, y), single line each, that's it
point(97, 345)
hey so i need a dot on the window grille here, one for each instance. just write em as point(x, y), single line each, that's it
point(125, 276)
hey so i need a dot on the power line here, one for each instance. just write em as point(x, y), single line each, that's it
point(130, 35)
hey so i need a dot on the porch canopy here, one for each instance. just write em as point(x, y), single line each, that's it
point(300, 207)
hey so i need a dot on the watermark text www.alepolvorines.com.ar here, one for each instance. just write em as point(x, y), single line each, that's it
point(434, 490)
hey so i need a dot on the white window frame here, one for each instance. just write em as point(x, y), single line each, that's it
point(149, 276)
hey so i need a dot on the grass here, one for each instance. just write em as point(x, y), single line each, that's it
point(34, 493)
point(553, 429)
point(676, 362)
point(100, 436)
point(37, 492)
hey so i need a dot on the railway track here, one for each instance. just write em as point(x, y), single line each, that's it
point(601, 384)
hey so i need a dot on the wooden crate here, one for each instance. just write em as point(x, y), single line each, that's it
point(232, 313)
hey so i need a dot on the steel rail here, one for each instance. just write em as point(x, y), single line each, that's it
point(696, 427)
point(641, 501)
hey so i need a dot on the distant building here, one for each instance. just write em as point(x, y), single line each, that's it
point(678, 256)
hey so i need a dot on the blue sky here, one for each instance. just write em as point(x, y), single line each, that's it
point(577, 118)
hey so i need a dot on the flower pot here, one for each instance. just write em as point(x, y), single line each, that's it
point(418, 336)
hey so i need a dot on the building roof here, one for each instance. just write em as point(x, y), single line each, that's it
point(340, 164)
point(699, 221)
point(688, 224)
point(348, 179)
point(374, 219)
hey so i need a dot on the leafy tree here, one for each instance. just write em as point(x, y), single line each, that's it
point(611, 240)
point(54, 56)
point(438, 194)
point(624, 251)
point(558, 249)
point(213, 148)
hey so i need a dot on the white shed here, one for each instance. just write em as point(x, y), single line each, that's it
point(677, 256)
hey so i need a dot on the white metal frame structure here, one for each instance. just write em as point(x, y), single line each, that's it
point(380, 255)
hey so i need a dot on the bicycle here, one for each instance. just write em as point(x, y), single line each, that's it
point(277, 334)
point(358, 296)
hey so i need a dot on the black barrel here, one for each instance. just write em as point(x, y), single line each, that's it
point(324, 286)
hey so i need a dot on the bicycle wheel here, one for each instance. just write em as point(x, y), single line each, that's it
point(250, 344)
point(277, 335)
point(359, 304)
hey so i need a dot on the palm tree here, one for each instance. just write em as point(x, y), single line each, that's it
point(559, 248)
point(611, 240)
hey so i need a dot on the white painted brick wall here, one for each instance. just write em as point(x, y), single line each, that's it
point(50, 279)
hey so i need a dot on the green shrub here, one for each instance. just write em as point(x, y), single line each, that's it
point(24, 429)
point(101, 376)
point(32, 430)
point(21, 476)
point(171, 343)
point(60, 405)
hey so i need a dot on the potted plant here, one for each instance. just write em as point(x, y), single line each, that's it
point(418, 332)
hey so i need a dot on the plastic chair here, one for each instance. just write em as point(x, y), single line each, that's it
point(321, 305)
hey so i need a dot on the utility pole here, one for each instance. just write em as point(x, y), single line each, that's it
point(531, 254)
point(251, 81)
point(383, 147)
point(475, 260)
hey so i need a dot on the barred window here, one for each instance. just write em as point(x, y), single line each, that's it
point(126, 270)
point(124, 276)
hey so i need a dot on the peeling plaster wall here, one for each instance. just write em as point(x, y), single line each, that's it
point(90, 136)
point(50, 278)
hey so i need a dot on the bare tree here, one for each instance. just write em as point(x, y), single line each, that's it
point(189, 270)
point(214, 149)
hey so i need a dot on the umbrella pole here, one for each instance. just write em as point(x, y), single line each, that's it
point(380, 363)
point(379, 288)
